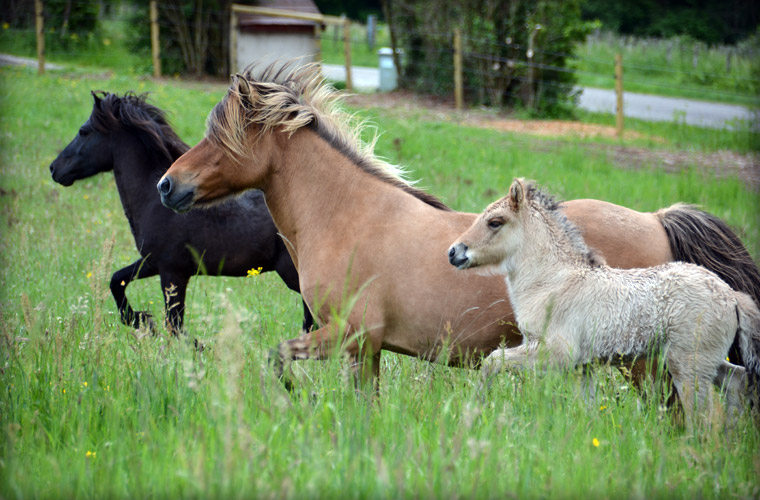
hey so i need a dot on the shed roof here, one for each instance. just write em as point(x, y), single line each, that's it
point(305, 6)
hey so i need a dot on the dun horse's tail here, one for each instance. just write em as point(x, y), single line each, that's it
point(748, 337)
point(701, 238)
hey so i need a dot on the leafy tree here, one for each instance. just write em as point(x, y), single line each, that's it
point(66, 22)
point(515, 51)
point(194, 35)
point(711, 21)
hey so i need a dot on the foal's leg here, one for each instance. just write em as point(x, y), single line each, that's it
point(139, 269)
point(520, 357)
point(694, 387)
point(732, 379)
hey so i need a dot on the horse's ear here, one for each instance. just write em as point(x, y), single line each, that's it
point(242, 86)
point(96, 98)
point(516, 194)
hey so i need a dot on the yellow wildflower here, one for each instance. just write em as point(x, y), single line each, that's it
point(6, 26)
point(595, 442)
point(89, 274)
point(602, 408)
point(87, 196)
point(123, 283)
point(90, 454)
point(106, 42)
point(254, 272)
point(84, 384)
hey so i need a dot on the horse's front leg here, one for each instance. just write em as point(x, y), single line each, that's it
point(318, 344)
point(366, 371)
point(174, 287)
point(139, 269)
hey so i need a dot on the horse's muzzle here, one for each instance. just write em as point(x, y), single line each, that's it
point(458, 256)
point(173, 196)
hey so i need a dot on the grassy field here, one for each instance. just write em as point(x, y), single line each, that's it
point(667, 67)
point(93, 409)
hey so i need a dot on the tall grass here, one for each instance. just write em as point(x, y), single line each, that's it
point(91, 409)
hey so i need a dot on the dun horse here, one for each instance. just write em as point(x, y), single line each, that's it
point(573, 308)
point(132, 138)
point(356, 229)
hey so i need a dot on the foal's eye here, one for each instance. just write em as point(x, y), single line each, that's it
point(495, 223)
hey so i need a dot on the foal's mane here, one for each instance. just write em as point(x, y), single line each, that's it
point(552, 213)
point(288, 99)
point(133, 111)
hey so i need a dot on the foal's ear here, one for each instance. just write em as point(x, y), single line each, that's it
point(516, 194)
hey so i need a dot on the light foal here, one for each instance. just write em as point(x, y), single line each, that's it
point(573, 309)
point(365, 242)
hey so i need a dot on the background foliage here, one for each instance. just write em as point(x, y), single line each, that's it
point(711, 21)
point(497, 34)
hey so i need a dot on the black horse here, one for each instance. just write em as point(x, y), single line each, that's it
point(133, 138)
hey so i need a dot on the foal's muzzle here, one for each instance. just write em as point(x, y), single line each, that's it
point(174, 196)
point(458, 256)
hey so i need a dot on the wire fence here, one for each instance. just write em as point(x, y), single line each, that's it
point(494, 72)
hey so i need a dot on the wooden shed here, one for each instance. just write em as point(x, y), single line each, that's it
point(265, 39)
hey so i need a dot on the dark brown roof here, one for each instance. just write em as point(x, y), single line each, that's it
point(306, 6)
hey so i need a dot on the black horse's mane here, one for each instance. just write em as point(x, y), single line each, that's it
point(133, 112)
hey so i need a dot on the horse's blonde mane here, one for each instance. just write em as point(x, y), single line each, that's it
point(288, 99)
point(550, 208)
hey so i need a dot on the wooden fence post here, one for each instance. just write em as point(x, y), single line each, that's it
point(39, 22)
point(458, 98)
point(318, 43)
point(619, 93)
point(233, 41)
point(347, 49)
point(154, 40)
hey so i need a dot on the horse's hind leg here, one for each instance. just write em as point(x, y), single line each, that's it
point(139, 269)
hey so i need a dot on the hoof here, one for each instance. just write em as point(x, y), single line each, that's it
point(278, 366)
point(143, 319)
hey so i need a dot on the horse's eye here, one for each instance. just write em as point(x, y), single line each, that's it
point(495, 223)
point(83, 131)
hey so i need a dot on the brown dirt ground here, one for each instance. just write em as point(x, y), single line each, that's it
point(745, 166)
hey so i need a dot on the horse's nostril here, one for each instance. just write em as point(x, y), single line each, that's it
point(165, 186)
point(452, 251)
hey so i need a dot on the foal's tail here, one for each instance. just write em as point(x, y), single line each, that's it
point(748, 338)
point(701, 238)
